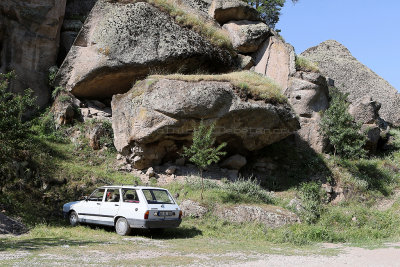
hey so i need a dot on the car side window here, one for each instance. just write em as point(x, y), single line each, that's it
point(112, 195)
point(130, 196)
point(97, 195)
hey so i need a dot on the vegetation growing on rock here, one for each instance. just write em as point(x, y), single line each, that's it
point(248, 82)
point(303, 64)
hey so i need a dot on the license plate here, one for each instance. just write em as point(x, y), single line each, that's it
point(165, 213)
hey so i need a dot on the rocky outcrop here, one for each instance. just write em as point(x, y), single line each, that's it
point(11, 226)
point(366, 112)
point(309, 95)
point(29, 40)
point(247, 36)
point(270, 216)
point(122, 42)
point(276, 59)
point(192, 209)
point(148, 128)
point(235, 162)
point(226, 10)
point(351, 76)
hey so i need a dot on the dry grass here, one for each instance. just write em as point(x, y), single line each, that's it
point(304, 64)
point(252, 84)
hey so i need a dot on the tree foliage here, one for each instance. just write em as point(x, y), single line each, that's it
point(13, 130)
point(202, 152)
point(270, 10)
point(339, 127)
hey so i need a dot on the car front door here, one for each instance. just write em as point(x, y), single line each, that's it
point(89, 210)
point(110, 206)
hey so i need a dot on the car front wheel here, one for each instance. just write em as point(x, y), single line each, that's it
point(73, 218)
point(122, 227)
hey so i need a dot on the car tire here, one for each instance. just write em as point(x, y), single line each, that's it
point(73, 218)
point(122, 227)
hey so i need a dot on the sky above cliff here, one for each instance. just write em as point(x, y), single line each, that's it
point(370, 29)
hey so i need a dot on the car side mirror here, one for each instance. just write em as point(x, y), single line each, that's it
point(84, 198)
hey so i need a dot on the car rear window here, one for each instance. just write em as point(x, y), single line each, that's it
point(157, 196)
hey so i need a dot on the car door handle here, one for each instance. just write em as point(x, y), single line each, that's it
point(116, 204)
point(99, 204)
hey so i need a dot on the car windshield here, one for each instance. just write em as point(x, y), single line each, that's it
point(157, 196)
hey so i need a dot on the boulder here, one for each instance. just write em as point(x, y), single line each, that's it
point(365, 110)
point(270, 216)
point(63, 109)
point(192, 209)
point(29, 41)
point(171, 170)
point(276, 60)
point(351, 76)
point(247, 36)
point(309, 95)
point(245, 62)
point(95, 133)
point(235, 162)
point(9, 225)
point(148, 128)
point(150, 172)
point(121, 42)
point(227, 10)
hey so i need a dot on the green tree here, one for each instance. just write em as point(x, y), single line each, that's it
point(202, 152)
point(13, 130)
point(339, 127)
point(270, 10)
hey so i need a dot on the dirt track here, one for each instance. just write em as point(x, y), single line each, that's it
point(350, 256)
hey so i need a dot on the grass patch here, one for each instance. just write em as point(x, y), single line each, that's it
point(303, 64)
point(249, 84)
point(241, 191)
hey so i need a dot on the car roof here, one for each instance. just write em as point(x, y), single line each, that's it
point(132, 187)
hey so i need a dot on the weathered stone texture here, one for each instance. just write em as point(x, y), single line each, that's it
point(147, 127)
point(335, 61)
point(121, 43)
point(276, 60)
point(29, 40)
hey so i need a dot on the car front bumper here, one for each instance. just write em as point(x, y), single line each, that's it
point(151, 224)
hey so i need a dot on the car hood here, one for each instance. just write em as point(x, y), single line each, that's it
point(68, 205)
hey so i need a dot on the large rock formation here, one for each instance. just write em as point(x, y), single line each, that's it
point(351, 76)
point(309, 96)
point(276, 59)
point(29, 40)
point(153, 120)
point(122, 42)
point(226, 10)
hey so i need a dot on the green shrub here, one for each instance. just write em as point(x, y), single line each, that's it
point(339, 127)
point(310, 196)
point(249, 189)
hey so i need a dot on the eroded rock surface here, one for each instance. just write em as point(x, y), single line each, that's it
point(309, 96)
point(276, 59)
point(247, 36)
point(29, 40)
point(122, 42)
point(227, 10)
point(153, 120)
point(351, 76)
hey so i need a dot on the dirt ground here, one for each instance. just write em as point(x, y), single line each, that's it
point(349, 256)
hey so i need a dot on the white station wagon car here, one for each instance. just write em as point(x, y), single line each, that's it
point(126, 207)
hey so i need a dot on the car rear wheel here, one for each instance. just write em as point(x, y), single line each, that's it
point(73, 218)
point(122, 227)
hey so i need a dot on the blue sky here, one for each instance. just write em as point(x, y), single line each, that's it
point(370, 29)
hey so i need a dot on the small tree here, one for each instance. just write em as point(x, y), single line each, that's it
point(202, 152)
point(14, 131)
point(339, 127)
